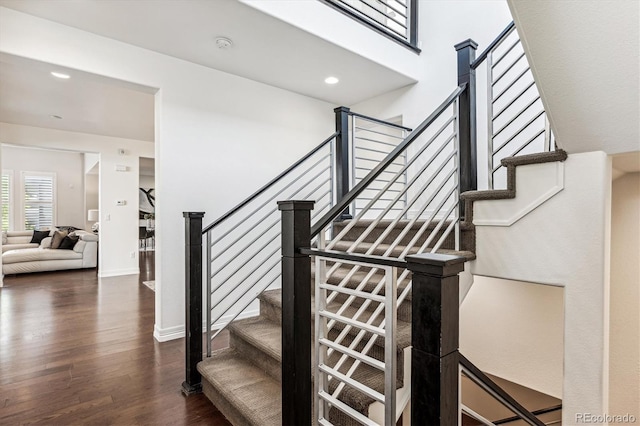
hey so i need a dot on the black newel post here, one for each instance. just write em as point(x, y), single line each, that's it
point(434, 328)
point(296, 313)
point(467, 118)
point(193, 300)
point(342, 157)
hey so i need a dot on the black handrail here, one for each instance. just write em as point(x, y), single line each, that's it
point(356, 257)
point(491, 46)
point(535, 413)
point(268, 185)
point(377, 120)
point(373, 174)
point(497, 392)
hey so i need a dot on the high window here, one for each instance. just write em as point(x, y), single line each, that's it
point(38, 200)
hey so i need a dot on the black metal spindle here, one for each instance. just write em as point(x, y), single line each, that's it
point(296, 313)
point(193, 301)
point(435, 336)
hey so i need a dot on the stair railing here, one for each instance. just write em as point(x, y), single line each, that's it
point(516, 119)
point(428, 201)
point(395, 19)
point(242, 247)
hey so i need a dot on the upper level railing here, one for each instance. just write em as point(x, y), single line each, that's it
point(395, 19)
point(515, 117)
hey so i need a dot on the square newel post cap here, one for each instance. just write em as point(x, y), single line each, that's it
point(466, 43)
point(193, 215)
point(296, 205)
point(442, 265)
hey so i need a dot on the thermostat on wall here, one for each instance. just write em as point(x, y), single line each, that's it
point(121, 202)
point(121, 168)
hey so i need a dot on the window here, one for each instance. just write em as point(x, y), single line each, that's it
point(7, 198)
point(39, 200)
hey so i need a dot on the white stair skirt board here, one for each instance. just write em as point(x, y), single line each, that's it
point(403, 395)
point(535, 184)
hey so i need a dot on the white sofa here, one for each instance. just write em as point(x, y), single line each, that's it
point(20, 256)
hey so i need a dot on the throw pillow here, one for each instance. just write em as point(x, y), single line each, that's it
point(38, 236)
point(58, 236)
point(68, 242)
point(66, 228)
point(46, 243)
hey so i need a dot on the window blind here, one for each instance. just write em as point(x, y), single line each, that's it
point(6, 201)
point(38, 201)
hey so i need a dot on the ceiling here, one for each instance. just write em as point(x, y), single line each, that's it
point(86, 103)
point(264, 49)
point(585, 56)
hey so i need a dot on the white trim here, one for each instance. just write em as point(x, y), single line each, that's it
point(547, 180)
point(178, 331)
point(118, 272)
point(166, 334)
point(54, 201)
point(247, 313)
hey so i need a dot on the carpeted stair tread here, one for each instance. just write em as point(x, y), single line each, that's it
point(238, 388)
point(265, 338)
point(403, 339)
point(511, 163)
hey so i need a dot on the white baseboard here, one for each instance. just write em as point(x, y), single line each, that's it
point(118, 272)
point(178, 332)
point(248, 313)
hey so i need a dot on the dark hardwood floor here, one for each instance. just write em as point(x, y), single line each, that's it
point(75, 350)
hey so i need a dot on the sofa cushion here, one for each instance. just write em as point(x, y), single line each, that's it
point(10, 247)
point(4, 237)
point(38, 236)
point(38, 254)
point(68, 242)
point(58, 236)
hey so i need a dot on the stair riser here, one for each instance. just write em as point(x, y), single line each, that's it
point(273, 313)
point(357, 231)
point(234, 416)
point(261, 359)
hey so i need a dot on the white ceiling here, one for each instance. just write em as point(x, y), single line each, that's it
point(264, 49)
point(87, 103)
point(585, 56)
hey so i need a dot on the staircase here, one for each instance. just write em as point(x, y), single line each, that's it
point(243, 381)
point(411, 202)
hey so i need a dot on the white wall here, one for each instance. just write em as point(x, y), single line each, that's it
point(69, 172)
point(147, 181)
point(564, 242)
point(515, 330)
point(624, 346)
point(443, 24)
point(206, 121)
point(118, 225)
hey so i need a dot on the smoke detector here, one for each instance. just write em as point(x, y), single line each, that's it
point(223, 43)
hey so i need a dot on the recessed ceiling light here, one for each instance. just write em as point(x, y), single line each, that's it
point(60, 75)
point(224, 43)
point(331, 80)
point(57, 117)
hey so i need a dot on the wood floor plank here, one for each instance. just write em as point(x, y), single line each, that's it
point(79, 350)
